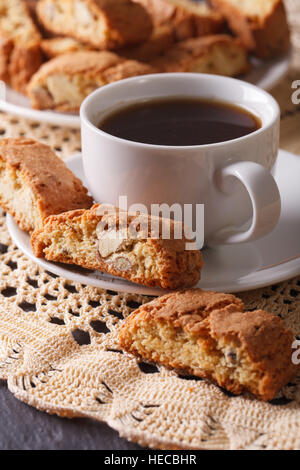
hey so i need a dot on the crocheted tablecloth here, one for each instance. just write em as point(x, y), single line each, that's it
point(58, 339)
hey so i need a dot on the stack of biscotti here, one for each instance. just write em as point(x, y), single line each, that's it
point(76, 38)
point(209, 335)
point(101, 24)
point(20, 52)
point(63, 82)
point(172, 20)
point(35, 183)
point(131, 246)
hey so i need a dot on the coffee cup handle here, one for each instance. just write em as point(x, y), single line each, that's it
point(264, 195)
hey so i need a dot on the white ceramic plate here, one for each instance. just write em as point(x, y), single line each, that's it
point(263, 74)
point(233, 268)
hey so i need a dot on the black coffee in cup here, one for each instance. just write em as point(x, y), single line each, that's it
point(180, 121)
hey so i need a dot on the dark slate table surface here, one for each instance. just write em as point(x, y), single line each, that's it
point(25, 428)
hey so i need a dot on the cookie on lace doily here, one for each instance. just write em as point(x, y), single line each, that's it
point(59, 352)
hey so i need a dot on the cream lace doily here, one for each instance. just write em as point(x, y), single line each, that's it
point(59, 350)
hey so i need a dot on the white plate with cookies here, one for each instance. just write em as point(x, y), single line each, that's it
point(263, 74)
point(237, 268)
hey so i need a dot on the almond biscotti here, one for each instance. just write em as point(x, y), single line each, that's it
point(186, 18)
point(261, 25)
point(64, 82)
point(99, 241)
point(20, 52)
point(103, 24)
point(218, 54)
point(35, 183)
point(208, 335)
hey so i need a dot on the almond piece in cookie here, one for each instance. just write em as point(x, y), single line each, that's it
point(186, 18)
point(208, 335)
point(261, 25)
point(99, 241)
point(220, 54)
point(64, 82)
point(103, 24)
point(20, 52)
point(35, 183)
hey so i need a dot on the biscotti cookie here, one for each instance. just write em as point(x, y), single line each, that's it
point(186, 18)
point(260, 24)
point(64, 82)
point(208, 335)
point(103, 24)
point(88, 239)
point(54, 47)
point(35, 183)
point(219, 54)
point(161, 40)
point(20, 52)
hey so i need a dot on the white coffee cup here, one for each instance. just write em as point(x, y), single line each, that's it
point(232, 179)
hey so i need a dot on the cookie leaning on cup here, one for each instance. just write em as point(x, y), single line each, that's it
point(89, 238)
point(35, 183)
point(209, 335)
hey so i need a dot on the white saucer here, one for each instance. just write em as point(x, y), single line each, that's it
point(232, 268)
point(263, 74)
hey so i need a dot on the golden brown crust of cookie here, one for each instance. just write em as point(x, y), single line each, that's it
point(257, 345)
point(263, 32)
point(187, 308)
point(55, 188)
point(81, 62)
point(170, 265)
point(257, 331)
point(104, 24)
point(24, 63)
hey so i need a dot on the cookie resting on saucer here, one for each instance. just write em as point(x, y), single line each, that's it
point(208, 334)
point(87, 238)
point(35, 183)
